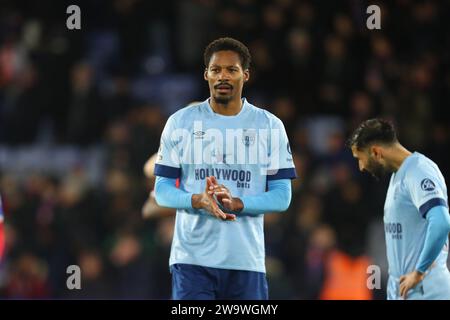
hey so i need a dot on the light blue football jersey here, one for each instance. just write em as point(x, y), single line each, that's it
point(416, 187)
point(243, 152)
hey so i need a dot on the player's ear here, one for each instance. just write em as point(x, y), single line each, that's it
point(246, 75)
point(205, 74)
point(376, 151)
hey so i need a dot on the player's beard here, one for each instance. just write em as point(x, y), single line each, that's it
point(377, 170)
point(222, 99)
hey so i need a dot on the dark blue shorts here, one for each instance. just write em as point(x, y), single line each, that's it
point(192, 282)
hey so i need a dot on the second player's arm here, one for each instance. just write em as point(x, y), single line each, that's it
point(438, 227)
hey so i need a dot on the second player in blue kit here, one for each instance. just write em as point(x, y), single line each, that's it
point(416, 217)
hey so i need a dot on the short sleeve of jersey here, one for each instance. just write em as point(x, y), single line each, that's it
point(281, 163)
point(426, 188)
point(168, 160)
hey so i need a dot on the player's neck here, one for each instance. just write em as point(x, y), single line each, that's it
point(232, 108)
point(398, 154)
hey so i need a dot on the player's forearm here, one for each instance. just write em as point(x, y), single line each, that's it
point(436, 236)
point(276, 199)
point(169, 196)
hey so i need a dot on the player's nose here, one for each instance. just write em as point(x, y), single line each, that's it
point(224, 75)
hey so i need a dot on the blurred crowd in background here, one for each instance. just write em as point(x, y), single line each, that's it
point(81, 112)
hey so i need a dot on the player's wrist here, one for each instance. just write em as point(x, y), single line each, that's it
point(238, 205)
point(196, 201)
point(419, 273)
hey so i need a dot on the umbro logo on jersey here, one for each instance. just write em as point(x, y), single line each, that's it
point(199, 134)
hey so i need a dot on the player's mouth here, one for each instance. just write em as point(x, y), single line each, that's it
point(223, 88)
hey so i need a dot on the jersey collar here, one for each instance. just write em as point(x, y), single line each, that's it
point(245, 107)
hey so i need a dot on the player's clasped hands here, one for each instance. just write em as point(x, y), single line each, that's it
point(207, 202)
point(223, 196)
point(220, 192)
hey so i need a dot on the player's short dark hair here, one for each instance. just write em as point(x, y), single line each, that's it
point(373, 131)
point(225, 44)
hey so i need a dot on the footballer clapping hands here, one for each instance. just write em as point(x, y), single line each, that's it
point(207, 201)
point(223, 195)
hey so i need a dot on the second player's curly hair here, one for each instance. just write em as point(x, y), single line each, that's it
point(373, 131)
